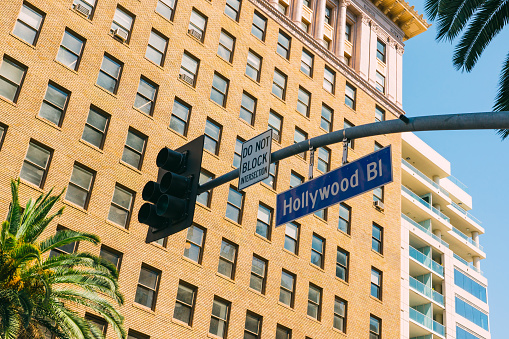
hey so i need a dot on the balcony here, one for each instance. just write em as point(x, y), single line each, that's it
point(418, 286)
point(456, 206)
point(427, 322)
point(428, 232)
point(458, 183)
point(425, 178)
point(425, 203)
point(468, 264)
point(426, 261)
point(467, 238)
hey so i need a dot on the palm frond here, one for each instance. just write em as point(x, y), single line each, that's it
point(82, 259)
point(453, 17)
point(65, 237)
point(502, 99)
point(14, 215)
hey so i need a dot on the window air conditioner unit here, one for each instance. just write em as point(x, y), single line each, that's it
point(275, 135)
point(81, 9)
point(379, 205)
point(195, 33)
point(121, 34)
point(186, 78)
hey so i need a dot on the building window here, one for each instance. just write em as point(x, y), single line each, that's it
point(85, 7)
point(376, 283)
point(70, 50)
point(306, 63)
point(379, 114)
point(271, 180)
point(300, 136)
point(226, 45)
point(348, 124)
point(109, 254)
point(12, 75)
point(204, 198)
point(54, 104)
point(180, 117)
point(163, 242)
point(134, 148)
point(219, 317)
point(303, 101)
point(323, 164)
point(146, 292)
point(227, 259)
point(97, 322)
point(189, 69)
point(36, 164)
point(146, 96)
point(342, 261)
point(184, 303)
point(28, 24)
point(258, 274)
point(259, 26)
point(80, 186)
point(253, 326)
point(377, 238)
point(254, 65)
point(305, 26)
point(322, 214)
point(314, 302)
point(350, 92)
point(340, 315)
point(109, 75)
point(248, 108)
point(328, 15)
point(283, 45)
point(156, 48)
point(234, 205)
point(380, 82)
point(136, 335)
point(295, 179)
point(263, 221)
point(219, 91)
point(64, 249)
point(121, 205)
point(375, 331)
point(348, 32)
point(307, 3)
point(283, 332)
point(378, 194)
point(345, 215)
point(292, 237)
point(464, 334)
point(471, 313)
point(3, 132)
point(166, 8)
point(212, 136)
point(197, 25)
point(276, 124)
point(377, 146)
point(282, 8)
point(287, 289)
point(95, 127)
point(329, 80)
point(326, 118)
point(380, 51)
point(232, 9)
point(122, 24)
point(317, 250)
point(470, 285)
point(193, 248)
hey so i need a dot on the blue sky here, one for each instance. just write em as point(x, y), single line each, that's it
point(479, 159)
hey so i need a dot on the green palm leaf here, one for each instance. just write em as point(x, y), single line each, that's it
point(65, 237)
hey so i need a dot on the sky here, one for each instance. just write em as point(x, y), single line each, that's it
point(479, 159)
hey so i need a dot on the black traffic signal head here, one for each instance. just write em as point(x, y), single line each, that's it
point(171, 200)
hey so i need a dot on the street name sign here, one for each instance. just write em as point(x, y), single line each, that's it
point(255, 160)
point(364, 174)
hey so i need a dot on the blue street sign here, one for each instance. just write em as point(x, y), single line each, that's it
point(364, 174)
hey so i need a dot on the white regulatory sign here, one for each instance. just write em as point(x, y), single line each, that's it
point(255, 160)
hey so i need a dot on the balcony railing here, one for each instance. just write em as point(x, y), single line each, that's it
point(427, 322)
point(426, 261)
point(458, 183)
point(467, 238)
point(465, 212)
point(428, 180)
point(425, 203)
point(426, 290)
point(470, 265)
point(428, 232)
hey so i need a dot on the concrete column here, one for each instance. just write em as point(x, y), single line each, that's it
point(319, 20)
point(363, 42)
point(438, 233)
point(391, 75)
point(436, 179)
point(372, 54)
point(297, 12)
point(340, 31)
point(477, 262)
point(437, 206)
point(399, 76)
point(475, 236)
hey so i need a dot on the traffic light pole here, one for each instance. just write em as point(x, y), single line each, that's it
point(465, 121)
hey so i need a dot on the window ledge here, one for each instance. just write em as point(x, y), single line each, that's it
point(225, 278)
point(224, 60)
point(191, 261)
point(30, 185)
point(285, 306)
point(350, 108)
point(212, 154)
point(246, 123)
point(134, 169)
point(144, 114)
point(117, 226)
point(204, 207)
point(253, 80)
point(320, 219)
point(376, 299)
point(282, 57)
point(313, 319)
point(22, 41)
point(153, 243)
point(194, 39)
point(232, 222)
point(80, 15)
point(187, 84)
point(125, 43)
point(275, 96)
point(164, 18)
point(218, 105)
point(258, 39)
point(181, 323)
point(332, 95)
point(302, 115)
point(377, 209)
point(210, 335)
point(341, 280)
point(263, 238)
point(257, 293)
point(91, 146)
point(178, 134)
point(378, 253)
point(106, 91)
point(339, 332)
point(291, 253)
point(64, 66)
point(49, 123)
point(307, 76)
point(268, 187)
point(76, 207)
point(233, 20)
point(143, 308)
point(8, 101)
point(153, 63)
point(325, 130)
point(344, 233)
point(317, 267)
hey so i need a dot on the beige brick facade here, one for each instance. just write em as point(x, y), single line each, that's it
point(25, 125)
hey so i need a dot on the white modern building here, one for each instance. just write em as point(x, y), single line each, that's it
point(444, 291)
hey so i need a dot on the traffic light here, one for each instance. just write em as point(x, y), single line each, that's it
point(171, 200)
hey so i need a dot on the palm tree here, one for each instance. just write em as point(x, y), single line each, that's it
point(485, 19)
point(38, 294)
